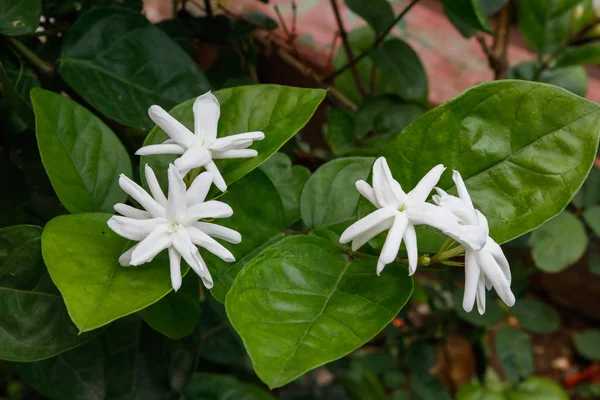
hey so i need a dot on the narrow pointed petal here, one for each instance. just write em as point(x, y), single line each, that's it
point(472, 236)
point(392, 242)
point(176, 205)
point(141, 196)
point(171, 126)
point(482, 222)
point(496, 251)
point(201, 239)
point(157, 149)
point(481, 294)
point(191, 255)
point(219, 232)
point(175, 266)
point(131, 212)
point(153, 244)
point(410, 242)
point(387, 190)
point(236, 141)
point(133, 229)
point(494, 274)
point(217, 177)
point(125, 258)
point(367, 192)
point(471, 280)
point(458, 207)
point(207, 111)
point(420, 193)
point(434, 216)
point(196, 156)
point(461, 188)
point(209, 209)
point(199, 188)
point(367, 222)
point(154, 186)
point(369, 234)
point(243, 153)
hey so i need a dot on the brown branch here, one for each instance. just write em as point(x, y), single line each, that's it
point(496, 54)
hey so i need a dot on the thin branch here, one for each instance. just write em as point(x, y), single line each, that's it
point(496, 55)
point(294, 18)
point(40, 65)
point(208, 8)
point(282, 22)
point(336, 35)
point(376, 43)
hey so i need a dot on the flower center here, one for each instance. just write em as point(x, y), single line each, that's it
point(402, 207)
point(174, 226)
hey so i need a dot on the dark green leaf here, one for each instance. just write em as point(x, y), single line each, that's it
point(361, 384)
point(81, 253)
point(523, 149)
point(468, 12)
point(491, 7)
point(81, 155)
point(493, 313)
point(339, 131)
point(262, 20)
point(586, 343)
point(14, 86)
point(536, 317)
point(205, 386)
point(536, 389)
point(329, 197)
point(594, 263)
point(592, 217)
point(360, 41)
point(34, 323)
point(586, 54)
point(428, 386)
point(558, 243)
point(574, 79)
point(589, 194)
point(301, 303)
point(18, 17)
point(385, 115)
point(122, 64)
point(378, 13)
point(514, 352)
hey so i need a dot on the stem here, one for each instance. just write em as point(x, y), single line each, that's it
point(208, 8)
point(376, 43)
point(40, 65)
point(497, 54)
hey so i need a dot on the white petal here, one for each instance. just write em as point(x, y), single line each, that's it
point(125, 258)
point(141, 196)
point(217, 177)
point(458, 207)
point(207, 111)
point(243, 153)
point(369, 234)
point(238, 141)
point(496, 251)
point(392, 242)
point(434, 216)
point(387, 190)
point(481, 294)
point(366, 223)
point(209, 209)
point(156, 149)
point(220, 232)
point(201, 239)
point(153, 244)
point(191, 255)
point(410, 242)
point(131, 212)
point(461, 188)
point(154, 186)
point(196, 156)
point(175, 266)
point(472, 236)
point(131, 228)
point(199, 188)
point(471, 280)
point(482, 222)
point(171, 126)
point(420, 193)
point(494, 274)
point(176, 206)
point(367, 192)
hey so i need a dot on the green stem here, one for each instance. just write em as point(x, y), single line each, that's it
point(40, 65)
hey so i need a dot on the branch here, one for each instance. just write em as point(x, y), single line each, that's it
point(40, 65)
point(496, 55)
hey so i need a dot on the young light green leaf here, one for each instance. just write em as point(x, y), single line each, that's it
point(536, 389)
point(559, 242)
point(536, 317)
point(586, 54)
point(574, 78)
point(96, 289)
point(592, 217)
point(586, 343)
point(205, 386)
point(18, 17)
point(378, 13)
point(82, 156)
point(301, 304)
point(523, 149)
point(156, 71)
point(514, 352)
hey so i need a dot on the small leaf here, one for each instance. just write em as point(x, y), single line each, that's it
point(378, 13)
point(492, 315)
point(536, 389)
point(428, 386)
point(301, 303)
point(361, 384)
point(536, 317)
point(339, 131)
point(204, 386)
point(514, 352)
point(586, 343)
point(586, 54)
point(592, 217)
point(469, 13)
point(19, 17)
point(574, 79)
point(475, 391)
point(558, 243)
point(385, 115)
point(81, 155)
point(594, 263)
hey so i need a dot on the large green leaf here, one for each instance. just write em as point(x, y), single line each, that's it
point(574, 78)
point(329, 196)
point(81, 253)
point(130, 361)
point(586, 54)
point(301, 304)
point(523, 149)
point(514, 352)
point(205, 386)
point(278, 111)
point(18, 17)
point(586, 343)
point(536, 317)
point(378, 13)
point(536, 389)
point(122, 64)
point(81, 155)
point(34, 323)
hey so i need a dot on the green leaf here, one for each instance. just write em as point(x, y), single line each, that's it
point(360, 40)
point(474, 391)
point(339, 131)
point(491, 7)
point(586, 343)
point(403, 72)
point(594, 263)
point(122, 64)
point(536, 317)
point(289, 181)
point(208, 386)
point(492, 315)
point(176, 314)
point(589, 194)
point(361, 384)
point(18, 17)
point(329, 196)
point(34, 323)
point(81, 253)
point(81, 155)
point(514, 352)
point(559, 242)
point(469, 13)
point(278, 111)
point(592, 217)
point(523, 149)
point(378, 13)
point(385, 115)
point(574, 79)
point(301, 304)
point(428, 386)
point(129, 361)
point(586, 54)
point(262, 20)
point(15, 84)
point(537, 389)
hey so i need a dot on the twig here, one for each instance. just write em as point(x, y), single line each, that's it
point(347, 48)
point(282, 22)
point(208, 8)
point(294, 18)
point(336, 35)
point(376, 43)
point(40, 65)
point(496, 55)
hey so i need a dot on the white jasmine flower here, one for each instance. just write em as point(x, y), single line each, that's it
point(203, 147)
point(400, 212)
point(173, 223)
point(486, 267)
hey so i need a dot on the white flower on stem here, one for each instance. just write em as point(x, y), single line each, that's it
point(201, 148)
point(486, 267)
point(400, 212)
point(173, 223)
